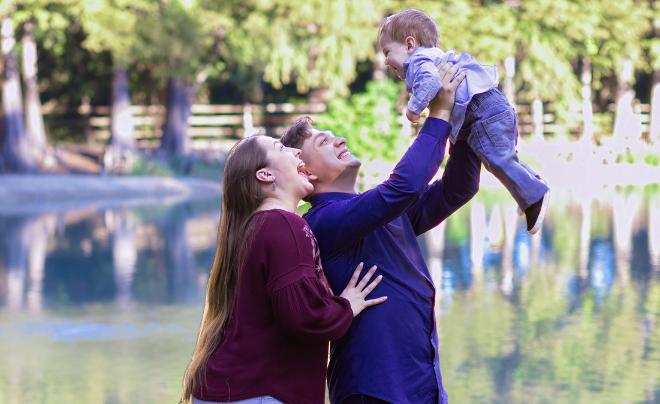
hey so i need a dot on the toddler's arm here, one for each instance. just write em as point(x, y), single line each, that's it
point(425, 84)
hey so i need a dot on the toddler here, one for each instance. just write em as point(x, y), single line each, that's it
point(481, 114)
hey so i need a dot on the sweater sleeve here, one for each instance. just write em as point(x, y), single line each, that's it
point(302, 304)
point(308, 313)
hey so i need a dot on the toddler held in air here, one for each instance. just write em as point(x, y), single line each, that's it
point(481, 114)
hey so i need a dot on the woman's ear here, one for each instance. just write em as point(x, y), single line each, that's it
point(264, 175)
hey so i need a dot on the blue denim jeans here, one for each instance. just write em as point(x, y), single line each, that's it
point(491, 129)
point(255, 400)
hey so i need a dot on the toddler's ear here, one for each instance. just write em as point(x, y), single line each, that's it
point(410, 43)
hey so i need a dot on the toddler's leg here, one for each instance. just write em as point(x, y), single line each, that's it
point(494, 138)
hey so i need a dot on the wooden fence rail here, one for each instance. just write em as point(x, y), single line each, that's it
point(211, 126)
point(219, 126)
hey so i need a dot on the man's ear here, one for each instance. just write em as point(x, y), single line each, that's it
point(264, 175)
point(410, 43)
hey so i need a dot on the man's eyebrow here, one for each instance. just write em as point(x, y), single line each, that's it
point(321, 133)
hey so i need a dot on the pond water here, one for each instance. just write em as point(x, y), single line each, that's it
point(103, 306)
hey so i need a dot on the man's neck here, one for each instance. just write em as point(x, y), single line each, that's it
point(337, 186)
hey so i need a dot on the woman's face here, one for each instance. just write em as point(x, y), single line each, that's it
point(286, 167)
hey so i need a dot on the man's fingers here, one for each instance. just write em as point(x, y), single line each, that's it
point(449, 74)
point(366, 278)
point(372, 285)
point(356, 275)
point(373, 302)
point(454, 83)
point(443, 68)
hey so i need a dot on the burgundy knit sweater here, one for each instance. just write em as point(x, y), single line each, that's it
point(285, 314)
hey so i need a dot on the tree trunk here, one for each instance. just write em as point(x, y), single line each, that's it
point(587, 106)
point(34, 121)
point(175, 140)
point(14, 149)
point(121, 125)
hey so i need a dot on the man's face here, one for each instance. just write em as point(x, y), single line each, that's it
point(327, 157)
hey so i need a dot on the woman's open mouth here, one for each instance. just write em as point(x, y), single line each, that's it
point(301, 169)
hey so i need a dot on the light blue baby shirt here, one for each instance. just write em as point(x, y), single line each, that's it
point(423, 81)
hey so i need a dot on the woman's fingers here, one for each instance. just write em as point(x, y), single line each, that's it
point(356, 275)
point(372, 285)
point(366, 278)
point(373, 302)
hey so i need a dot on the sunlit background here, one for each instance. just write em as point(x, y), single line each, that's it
point(117, 117)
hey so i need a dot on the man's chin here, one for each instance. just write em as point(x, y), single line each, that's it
point(354, 162)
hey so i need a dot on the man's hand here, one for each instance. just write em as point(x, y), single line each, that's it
point(412, 117)
point(441, 106)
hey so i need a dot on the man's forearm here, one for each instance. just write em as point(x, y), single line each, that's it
point(440, 114)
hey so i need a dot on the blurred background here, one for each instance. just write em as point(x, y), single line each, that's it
point(117, 117)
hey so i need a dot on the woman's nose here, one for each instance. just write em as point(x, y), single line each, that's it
point(294, 151)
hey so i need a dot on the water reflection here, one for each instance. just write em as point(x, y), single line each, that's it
point(117, 255)
point(569, 315)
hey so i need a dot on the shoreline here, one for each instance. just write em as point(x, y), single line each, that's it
point(42, 193)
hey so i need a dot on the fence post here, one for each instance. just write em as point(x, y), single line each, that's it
point(587, 109)
point(247, 120)
point(509, 84)
point(654, 117)
point(537, 116)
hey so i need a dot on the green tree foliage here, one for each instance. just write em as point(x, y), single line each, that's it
point(368, 121)
point(317, 43)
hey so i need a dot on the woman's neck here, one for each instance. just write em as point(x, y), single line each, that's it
point(276, 203)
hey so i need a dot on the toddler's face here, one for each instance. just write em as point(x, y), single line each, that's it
point(397, 53)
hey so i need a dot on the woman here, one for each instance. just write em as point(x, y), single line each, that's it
point(269, 312)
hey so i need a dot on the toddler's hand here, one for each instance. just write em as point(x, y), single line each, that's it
point(412, 117)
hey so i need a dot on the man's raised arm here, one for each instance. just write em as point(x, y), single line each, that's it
point(346, 222)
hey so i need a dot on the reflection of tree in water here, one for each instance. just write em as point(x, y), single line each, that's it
point(166, 271)
point(180, 262)
point(124, 251)
point(41, 230)
point(79, 267)
point(14, 239)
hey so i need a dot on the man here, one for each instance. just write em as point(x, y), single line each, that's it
point(389, 354)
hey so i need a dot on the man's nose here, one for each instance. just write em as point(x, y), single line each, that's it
point(340, 141)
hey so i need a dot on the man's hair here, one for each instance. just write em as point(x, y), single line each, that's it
point(296, 134)
point(410, 22)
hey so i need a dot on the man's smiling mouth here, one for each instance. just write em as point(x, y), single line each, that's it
point(344, 154)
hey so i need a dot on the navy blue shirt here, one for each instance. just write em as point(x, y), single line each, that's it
point(391, 350)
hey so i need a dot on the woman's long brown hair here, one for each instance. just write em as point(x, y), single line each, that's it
point(241, 196)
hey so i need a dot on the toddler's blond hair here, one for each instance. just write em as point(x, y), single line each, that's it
point(410, 22)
